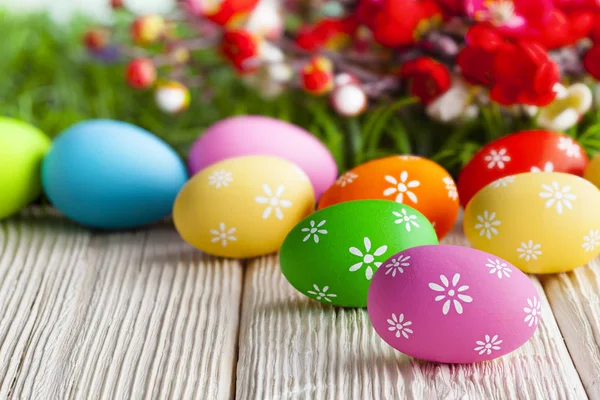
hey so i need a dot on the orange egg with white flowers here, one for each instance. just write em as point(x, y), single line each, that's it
point(414, 181)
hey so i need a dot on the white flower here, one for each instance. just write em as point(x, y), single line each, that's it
point(401, 187)
point(220, 178)
point(499, 268)
point(497, 159)
point(273, 201)
point(548, 167)
point(368, 259)
point(406, 219)
point(451, 293)
point(223, 235)
point(591, 240)
point(502, 182)
point(314, 231)
point(321, 294)
point(172, 97)
point(487, 224)
point(397, 265)
point(488, 345)
point(273, 74)
point(400, 326)
point(567, 145)
point(451, 188)
point(534, 311)
point(266, 19)
point(454, 105)
point(558, 196)
point(346, 179)
point(529, 251)
point(349, 100)
point(567, 108)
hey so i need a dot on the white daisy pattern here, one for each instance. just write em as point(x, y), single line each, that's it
point(497, 158)
point(591, 240)
point(533, 311)
point(402, 187)
point(451, 293)
point(220, 178)
point(487, 225)
point(409, 220)
point(399, 325)
point(451, 188)
point(529, 250)
point(314, 230)
point(346, 179)
point(571, 148)
point(223, 235)
point(273, 201)
point(498, 268)
point(558, 196)
point(397, 265)
point(488, 345)
point(322, 294)
point(502, 182)
point(368, 259)
point(548, 167)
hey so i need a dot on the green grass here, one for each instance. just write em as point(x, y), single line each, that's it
point(49, 80)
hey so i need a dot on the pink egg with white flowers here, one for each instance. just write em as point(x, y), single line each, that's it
point(258, 135)
point(452, 304)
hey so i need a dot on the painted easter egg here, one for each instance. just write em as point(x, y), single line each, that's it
point(332, 255)
point(452, 304)
point(259, 135)
point(111, 174)
point(529, 151)
point(22, 148)
point(592, 172)
point(243, 206)
point(541, 222)
point(415, 181)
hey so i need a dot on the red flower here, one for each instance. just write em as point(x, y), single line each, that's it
point(96, 39)
point(564, 30)
point(514, 18)
point(397, 23)
point(116, 4)
point(591, 61)
point(242, 49)
point(140, 73)
point(524, 74)
point(224, 13)
point(476, 61)
point(329, 32)
point(595, 29)
point(577, 5)
point(427, 78)
point(453, 7)
point(317, 76)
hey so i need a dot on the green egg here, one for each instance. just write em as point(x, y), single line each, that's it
point(331, 255)
point(22, 148)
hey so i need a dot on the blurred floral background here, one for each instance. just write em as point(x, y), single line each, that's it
point(51, 81)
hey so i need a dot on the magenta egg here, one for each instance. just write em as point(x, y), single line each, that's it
point(258, 135)
point(452, 304)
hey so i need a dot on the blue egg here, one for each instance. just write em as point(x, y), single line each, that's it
point(111, 174)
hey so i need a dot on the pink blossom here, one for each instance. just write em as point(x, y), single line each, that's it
point(511, 17)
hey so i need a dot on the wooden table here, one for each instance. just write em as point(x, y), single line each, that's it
point(141, 314)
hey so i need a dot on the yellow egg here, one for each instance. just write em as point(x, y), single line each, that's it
point(243, 206)
point(539, 222)
point(592, 171)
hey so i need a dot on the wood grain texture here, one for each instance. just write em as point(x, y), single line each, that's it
point(575, 300)
point(294, 348)
point(113, 316)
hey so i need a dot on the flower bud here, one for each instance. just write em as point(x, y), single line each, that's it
point(141, 73)
point(172, 97)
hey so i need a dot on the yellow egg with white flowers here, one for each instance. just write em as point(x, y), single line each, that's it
point(540, 222)
point(244, 206)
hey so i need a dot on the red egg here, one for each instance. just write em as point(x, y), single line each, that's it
point(528, 151)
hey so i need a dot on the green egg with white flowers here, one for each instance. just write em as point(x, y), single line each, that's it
point(331, 255)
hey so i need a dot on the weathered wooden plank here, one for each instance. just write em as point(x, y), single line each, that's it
point(294, 348)
point(575, 301)
point(115, 316)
